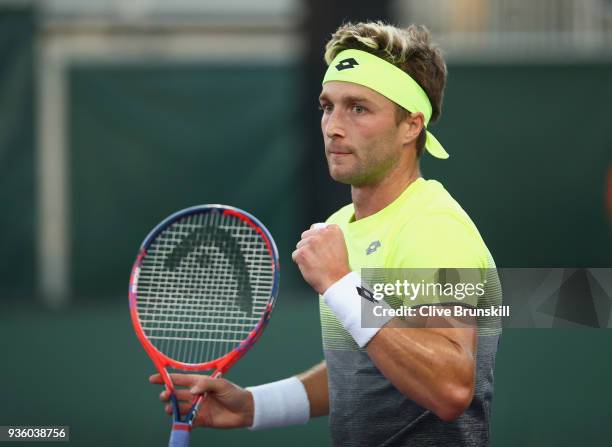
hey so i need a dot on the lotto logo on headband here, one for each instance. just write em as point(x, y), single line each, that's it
point(346, 64)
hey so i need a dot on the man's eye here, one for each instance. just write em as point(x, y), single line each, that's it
point(359, 109)
point(325, 107)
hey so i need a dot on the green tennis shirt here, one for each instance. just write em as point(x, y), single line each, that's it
point(424, 228)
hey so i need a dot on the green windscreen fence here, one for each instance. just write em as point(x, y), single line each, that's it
point(146, 141)
point(17, 164)
point(530, 151)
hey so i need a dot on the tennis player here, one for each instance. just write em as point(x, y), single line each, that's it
point(388, 384)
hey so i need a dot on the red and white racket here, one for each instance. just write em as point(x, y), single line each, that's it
point(201, 293)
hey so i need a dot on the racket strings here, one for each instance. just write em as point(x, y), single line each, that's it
point(204, 284)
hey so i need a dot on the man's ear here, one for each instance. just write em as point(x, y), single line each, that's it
point(412, 126)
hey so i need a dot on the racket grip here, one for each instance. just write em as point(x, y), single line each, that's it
point(179, 437)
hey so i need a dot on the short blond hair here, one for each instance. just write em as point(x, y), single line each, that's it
point(409, 49)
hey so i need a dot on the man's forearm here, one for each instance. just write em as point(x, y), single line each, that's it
point(315, 383)
point(434, 367)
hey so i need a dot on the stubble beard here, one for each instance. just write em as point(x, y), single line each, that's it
point(363, 173)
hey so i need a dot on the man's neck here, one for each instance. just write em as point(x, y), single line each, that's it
point(370, 199)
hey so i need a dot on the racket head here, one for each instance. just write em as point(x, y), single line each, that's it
point(211, 261)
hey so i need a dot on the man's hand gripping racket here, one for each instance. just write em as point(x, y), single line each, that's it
point(201, 293)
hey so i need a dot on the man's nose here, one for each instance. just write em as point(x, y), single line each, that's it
point(334, 126)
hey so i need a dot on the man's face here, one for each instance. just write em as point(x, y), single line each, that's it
point(360, 131)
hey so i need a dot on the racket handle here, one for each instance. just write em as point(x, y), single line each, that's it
point(179, 437)
point(196, 407)
point(197, 401)
point(319, 226)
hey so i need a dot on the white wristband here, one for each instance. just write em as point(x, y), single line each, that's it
point(344, 300)
point(278, 404)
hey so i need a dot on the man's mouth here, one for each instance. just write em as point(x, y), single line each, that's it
point(337, 151)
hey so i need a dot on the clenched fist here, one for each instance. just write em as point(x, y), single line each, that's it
point(322, 257)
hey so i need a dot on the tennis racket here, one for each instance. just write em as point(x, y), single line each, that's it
point(201, 293)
